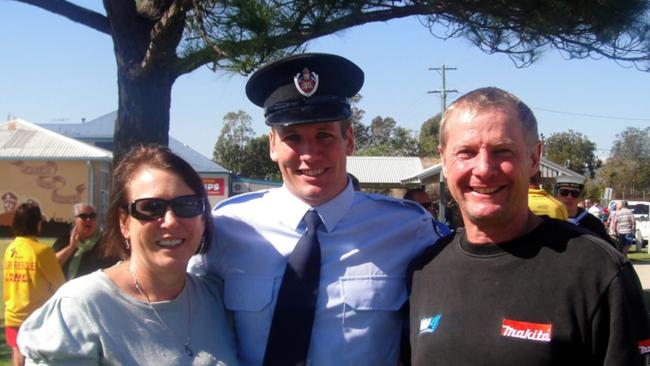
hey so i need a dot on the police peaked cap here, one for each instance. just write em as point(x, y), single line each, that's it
point(305, 88)
point(569, 181)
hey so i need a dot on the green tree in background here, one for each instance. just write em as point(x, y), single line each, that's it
point(157, 41)
point(258, 162)
point(572, 150)
point(387, 139)
point(240, 151)
point(360, 130)
point(627, 170)
point(428, 142)
point(236, 134)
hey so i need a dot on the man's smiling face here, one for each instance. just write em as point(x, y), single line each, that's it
point(312, 159)
point(488, 163)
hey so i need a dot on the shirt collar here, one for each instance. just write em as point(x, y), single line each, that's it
point(293, 209)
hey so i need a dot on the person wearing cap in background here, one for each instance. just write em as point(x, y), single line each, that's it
point(542, 203)
point(314, 272)
point(514, 288)
point(568, 189)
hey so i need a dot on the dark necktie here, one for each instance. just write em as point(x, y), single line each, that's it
point(288, 342)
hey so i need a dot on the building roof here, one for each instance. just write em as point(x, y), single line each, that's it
point(384, 171)
point(548, 168)
point(101, 129)
point(199, 162)
point(22, 140)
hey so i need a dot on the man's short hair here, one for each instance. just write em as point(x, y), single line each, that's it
point(491, 96)
point(76, 209)
point(9, 195)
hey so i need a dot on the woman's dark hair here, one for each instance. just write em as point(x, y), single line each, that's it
point(26, 219)
point(157, 157)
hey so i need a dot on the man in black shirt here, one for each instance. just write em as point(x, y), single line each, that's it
point(512, 288)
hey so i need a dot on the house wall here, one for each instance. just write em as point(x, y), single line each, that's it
point(55, 185)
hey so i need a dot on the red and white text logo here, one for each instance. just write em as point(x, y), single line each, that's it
point(644, 346)
point(531, 331)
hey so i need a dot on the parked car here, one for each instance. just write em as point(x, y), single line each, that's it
point(641, 210)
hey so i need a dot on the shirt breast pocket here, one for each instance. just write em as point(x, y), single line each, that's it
point(372, 321)
point(249, 299)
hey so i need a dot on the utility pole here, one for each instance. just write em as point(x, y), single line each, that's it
point(443, 106)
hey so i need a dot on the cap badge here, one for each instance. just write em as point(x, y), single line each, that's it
point(306, 82)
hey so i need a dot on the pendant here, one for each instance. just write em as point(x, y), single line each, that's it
point(188, 350)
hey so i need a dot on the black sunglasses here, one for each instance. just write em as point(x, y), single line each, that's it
point(148, 209)
point(90, 216)
point(566, 192)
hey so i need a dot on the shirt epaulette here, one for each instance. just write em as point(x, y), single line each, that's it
point(393, 200)
point(240, 198)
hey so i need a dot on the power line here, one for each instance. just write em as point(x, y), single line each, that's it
point(592, 115)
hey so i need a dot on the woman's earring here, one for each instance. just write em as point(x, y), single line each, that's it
point(127, 244)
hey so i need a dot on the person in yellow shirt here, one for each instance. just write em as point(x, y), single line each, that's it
point(542, 203)
point(31, 274)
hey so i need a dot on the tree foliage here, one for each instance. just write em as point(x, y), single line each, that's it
point(361, 131)
point(236, 134)
point(385, 138)
point(259, 164)
point(238, 150)
point(627, 170)
point(428, 142)
point(156, 41)
point(573, 150)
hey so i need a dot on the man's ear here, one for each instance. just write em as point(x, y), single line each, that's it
point(441, 151)
point(272, 138)
point(349, 136)
point(535, 157)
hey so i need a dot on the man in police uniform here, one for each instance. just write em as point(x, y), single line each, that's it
point(513, 288)
point(366, 240)
point(568, 189)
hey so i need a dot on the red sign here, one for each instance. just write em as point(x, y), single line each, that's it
point(532, 331)
point(214, 186)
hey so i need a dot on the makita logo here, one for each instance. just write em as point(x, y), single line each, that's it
point(644, 346)
point(532, 331)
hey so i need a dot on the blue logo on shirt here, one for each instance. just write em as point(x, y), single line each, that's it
point(429, 325)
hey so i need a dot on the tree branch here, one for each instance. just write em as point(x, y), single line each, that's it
point(295, 36)
point(73, 12)
point(165, 35)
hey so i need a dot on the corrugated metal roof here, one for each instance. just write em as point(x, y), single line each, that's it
point(101, 129)
point(383, 170)
point(199, 162)
point(22, 140)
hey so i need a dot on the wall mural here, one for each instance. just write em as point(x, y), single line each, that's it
point(55, 185)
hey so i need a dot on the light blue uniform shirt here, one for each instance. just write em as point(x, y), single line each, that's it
point(367, 242)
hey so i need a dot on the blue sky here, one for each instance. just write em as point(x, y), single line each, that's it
point(54, 70)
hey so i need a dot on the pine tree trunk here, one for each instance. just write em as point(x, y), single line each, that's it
point(143, 112)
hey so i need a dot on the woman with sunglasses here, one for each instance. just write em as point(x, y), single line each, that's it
point(145, 310)
point(82, 251)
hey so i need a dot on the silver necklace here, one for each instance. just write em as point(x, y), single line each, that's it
point(186, 345)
